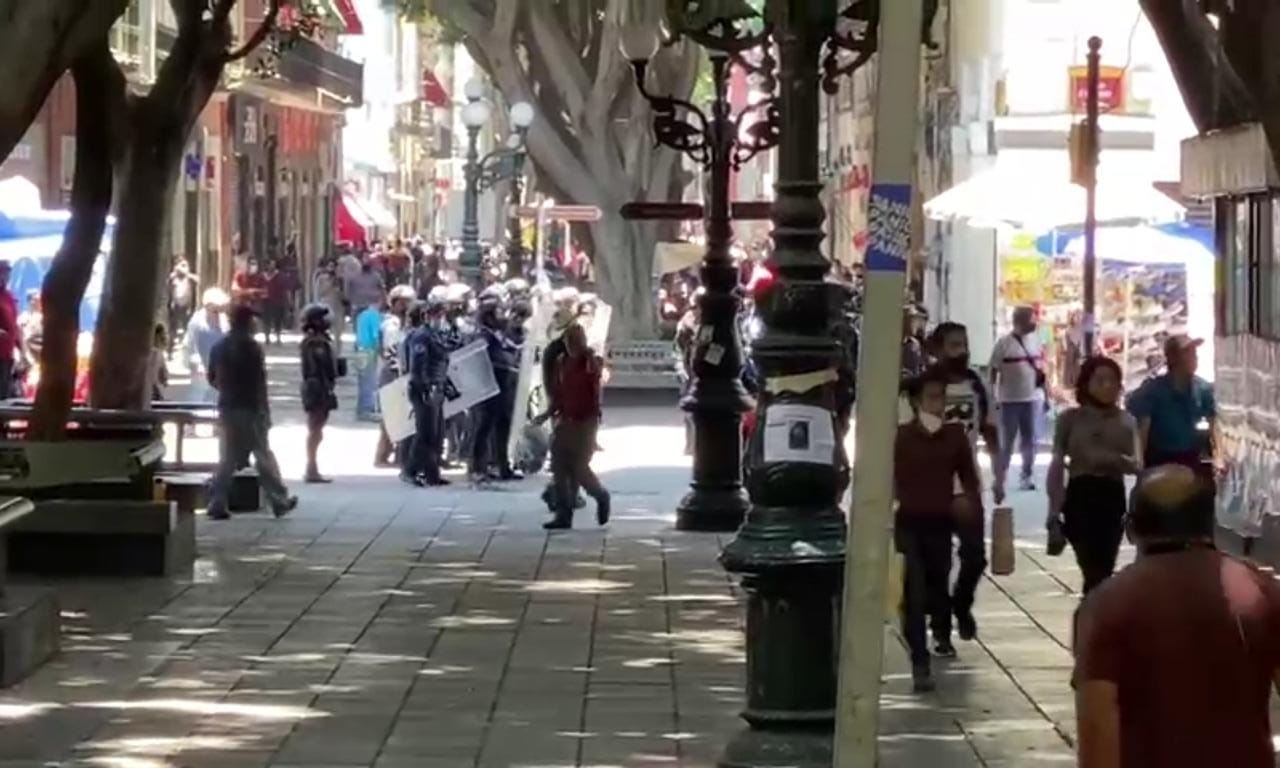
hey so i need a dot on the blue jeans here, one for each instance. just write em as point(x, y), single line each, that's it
point(1018, 420)
point(366, 385)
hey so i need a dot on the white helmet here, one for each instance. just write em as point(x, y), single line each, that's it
point(402, 293)
point(216, 297)
point(458, 293)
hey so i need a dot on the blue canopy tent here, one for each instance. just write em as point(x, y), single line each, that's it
point(33, 224)
point(31, 258)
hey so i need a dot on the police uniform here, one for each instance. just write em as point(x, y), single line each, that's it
point(428, 365)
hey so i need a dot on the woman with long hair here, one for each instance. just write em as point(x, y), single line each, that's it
point(1095, 445)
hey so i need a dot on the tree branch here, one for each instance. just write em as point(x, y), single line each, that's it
point(259, 34)
point(1214, 94)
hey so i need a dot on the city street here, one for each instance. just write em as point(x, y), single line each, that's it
point(383, 625)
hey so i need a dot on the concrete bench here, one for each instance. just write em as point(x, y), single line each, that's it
point(115, 537)
point(30, 627)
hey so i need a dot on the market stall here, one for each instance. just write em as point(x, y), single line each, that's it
point(1152, 283)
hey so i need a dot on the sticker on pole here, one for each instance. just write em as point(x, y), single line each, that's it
point(889, 222)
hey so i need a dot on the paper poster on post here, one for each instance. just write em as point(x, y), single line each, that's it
point(801, 433)
point(397, 411)
point(472, 377)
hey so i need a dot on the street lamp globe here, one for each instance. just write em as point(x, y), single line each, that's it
point(474, 89)
point(515, 141)
point(639, 42)
point(522, 114)
point(475, 114)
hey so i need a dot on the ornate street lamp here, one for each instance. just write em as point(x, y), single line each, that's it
point(504, 163)
point(790, 552)
point(718, 140)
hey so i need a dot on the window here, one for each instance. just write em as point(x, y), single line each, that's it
point(1249, 276)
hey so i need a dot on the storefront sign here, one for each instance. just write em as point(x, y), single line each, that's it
point(1111, 91)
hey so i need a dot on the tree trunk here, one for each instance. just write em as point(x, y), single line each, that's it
point(148, 176)
point(99, 84)
point(623, 276)
point(38, 41)
point(1214, 94)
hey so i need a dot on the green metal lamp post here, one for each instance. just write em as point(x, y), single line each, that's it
point(790, 553)
point(504, 163)
point(716, 139)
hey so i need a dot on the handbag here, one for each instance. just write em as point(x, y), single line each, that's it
point(1057, 541)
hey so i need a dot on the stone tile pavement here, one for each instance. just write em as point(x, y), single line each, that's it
point(387, 626)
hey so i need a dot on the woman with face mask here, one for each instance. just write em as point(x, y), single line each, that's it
point(1095, 445)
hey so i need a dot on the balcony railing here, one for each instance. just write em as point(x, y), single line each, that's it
point(310, 64)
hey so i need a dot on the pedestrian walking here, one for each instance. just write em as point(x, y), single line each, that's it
point(1176, 411)
point(182, 300)
point(427, 352)
point(574, 437)
point(1018, 378)
point(930, 457)
point(10, 335)
point(275, 302)
point(1176, 655)
point(237, 370)
point(327, 289)
point(204, 331)
point(968, 403)
point(249, 287)
point(157, 365)
point(1095, 445)
point(319, 382)
point(368, 348)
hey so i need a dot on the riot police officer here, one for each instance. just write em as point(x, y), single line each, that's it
point(492, 418)
point(428, 365)
point(458, 329)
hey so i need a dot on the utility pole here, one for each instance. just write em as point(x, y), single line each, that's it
point(1091, 198)
point(871, 519)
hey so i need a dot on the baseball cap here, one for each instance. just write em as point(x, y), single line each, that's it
point(1180, 342)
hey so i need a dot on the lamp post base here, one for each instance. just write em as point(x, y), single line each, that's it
point(781, 748)
point(712, 510)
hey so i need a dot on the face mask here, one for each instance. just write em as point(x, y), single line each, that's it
point(960, 363)
point(930, 422)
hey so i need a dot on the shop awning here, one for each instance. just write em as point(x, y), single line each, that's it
point(378, 213)
point(345, 11)
point(433, 91)
point(1039, 203)
point(351, 223)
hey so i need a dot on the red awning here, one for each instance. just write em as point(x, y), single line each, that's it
point(346, 11)
point(350, 222)
point(432, 91)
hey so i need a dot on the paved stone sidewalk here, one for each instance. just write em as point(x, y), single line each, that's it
point(387, 626)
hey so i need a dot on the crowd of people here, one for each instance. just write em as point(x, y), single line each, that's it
point(949, 406)
point(1176, 654)
point(406, 333)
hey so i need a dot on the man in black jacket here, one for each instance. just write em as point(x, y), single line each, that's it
point(237, 369)
point(427, 358)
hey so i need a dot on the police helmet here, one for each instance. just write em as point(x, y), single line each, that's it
point(315, 317)
point(517, 287)
point(458, 293)
point(402, 293)
point(438, 296)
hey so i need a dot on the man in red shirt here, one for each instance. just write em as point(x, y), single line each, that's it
point(577, 414)
point(1176, 655)
point(10, 336)
point(249, 288)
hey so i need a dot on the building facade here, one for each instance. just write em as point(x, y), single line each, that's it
point(262, 164)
